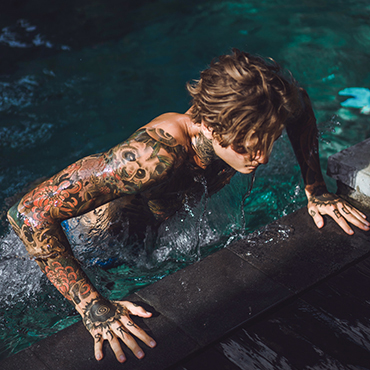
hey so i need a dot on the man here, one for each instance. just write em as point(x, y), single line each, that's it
point(240, 106)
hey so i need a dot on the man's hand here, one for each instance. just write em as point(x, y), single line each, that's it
point(106, 320)
point(338, 209)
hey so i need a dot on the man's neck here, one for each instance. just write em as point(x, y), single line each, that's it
point(204, 149)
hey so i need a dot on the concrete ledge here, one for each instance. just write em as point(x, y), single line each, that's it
point(351, 168)
point(199, 304)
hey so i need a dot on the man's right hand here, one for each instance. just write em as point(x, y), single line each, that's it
point(106, 320)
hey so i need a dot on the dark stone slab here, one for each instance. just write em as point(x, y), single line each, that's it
point(294, 252)
point(213, 296)
point(356, 281)
point(206, 359)
point(73, 347)
point(23, 360)
point(298, 336)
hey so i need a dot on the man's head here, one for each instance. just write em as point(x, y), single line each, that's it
point(244, 101)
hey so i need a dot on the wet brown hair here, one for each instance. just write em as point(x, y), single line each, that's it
point(241, 96)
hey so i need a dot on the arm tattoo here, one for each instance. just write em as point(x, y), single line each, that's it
point(128, 168)
point(68, 278)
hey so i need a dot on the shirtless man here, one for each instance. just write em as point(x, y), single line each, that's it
point(240, 106)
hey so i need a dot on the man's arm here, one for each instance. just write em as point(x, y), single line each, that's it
point(303, 134)
point(129, 168)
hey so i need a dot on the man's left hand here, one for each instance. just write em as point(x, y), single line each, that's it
point(338, 209)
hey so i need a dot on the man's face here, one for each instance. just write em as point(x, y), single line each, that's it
point(243, 163)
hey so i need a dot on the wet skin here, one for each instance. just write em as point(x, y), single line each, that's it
point(146, 165)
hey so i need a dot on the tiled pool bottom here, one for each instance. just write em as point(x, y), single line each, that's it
point(197, 306)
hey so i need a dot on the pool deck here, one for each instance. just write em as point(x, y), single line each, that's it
point(196, 308)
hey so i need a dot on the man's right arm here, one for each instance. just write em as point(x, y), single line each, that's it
point(128, 168)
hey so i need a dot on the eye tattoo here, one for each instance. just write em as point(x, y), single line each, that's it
point(129, 156)
point(140, 174)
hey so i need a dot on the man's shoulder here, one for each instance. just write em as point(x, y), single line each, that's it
point(170, 129)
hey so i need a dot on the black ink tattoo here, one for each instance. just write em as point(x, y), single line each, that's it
point(100, 313)
point(312, 213)
point(110, 333)
point(346, 211)
point(337, 213)
point(98, 337)
point(130, 323)
point(122, 331)
point(204, 149)
point(324, 199)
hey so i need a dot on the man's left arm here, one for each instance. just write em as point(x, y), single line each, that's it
point(303, 135)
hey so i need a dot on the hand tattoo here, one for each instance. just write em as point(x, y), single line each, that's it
point(100, 313)
point(337, 213)
point(123, 331)
point(110, 334)
point(130, 323)
point(324, 199)
point(98, 337)
point(312, 213)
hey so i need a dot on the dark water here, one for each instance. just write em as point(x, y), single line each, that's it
point(77, 77)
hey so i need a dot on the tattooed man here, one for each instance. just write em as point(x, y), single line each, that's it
point(240, 105)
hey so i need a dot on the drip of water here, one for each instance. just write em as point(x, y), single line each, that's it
point(245, 196)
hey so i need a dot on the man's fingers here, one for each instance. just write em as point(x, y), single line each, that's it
point(353, 216)
point(341, 221)
point(98, 346)
point(123, 333)
point(135, 329)
point(116, 346)
point(317, 218)
point(135, 309)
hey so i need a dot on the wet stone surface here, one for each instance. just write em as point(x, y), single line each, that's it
point(213, 296)
point(293, 252)
point(22, 360)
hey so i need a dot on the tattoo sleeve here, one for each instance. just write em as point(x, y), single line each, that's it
point(303, 134)
point(129, 168)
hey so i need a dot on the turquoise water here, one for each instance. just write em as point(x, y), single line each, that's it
point(78, 79)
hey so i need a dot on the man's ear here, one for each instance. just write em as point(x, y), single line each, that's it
point(207, 131)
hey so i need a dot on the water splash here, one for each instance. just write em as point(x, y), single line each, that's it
point(20, 277)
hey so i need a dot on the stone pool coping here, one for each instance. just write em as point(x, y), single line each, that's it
point(202, 302)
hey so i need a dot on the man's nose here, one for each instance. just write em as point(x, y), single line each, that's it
point(261, 158)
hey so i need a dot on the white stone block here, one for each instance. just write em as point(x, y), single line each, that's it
point(351, 167)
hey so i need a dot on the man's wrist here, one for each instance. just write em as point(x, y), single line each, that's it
point(315, 189)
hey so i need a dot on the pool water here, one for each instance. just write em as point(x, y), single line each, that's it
point(77, 78)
